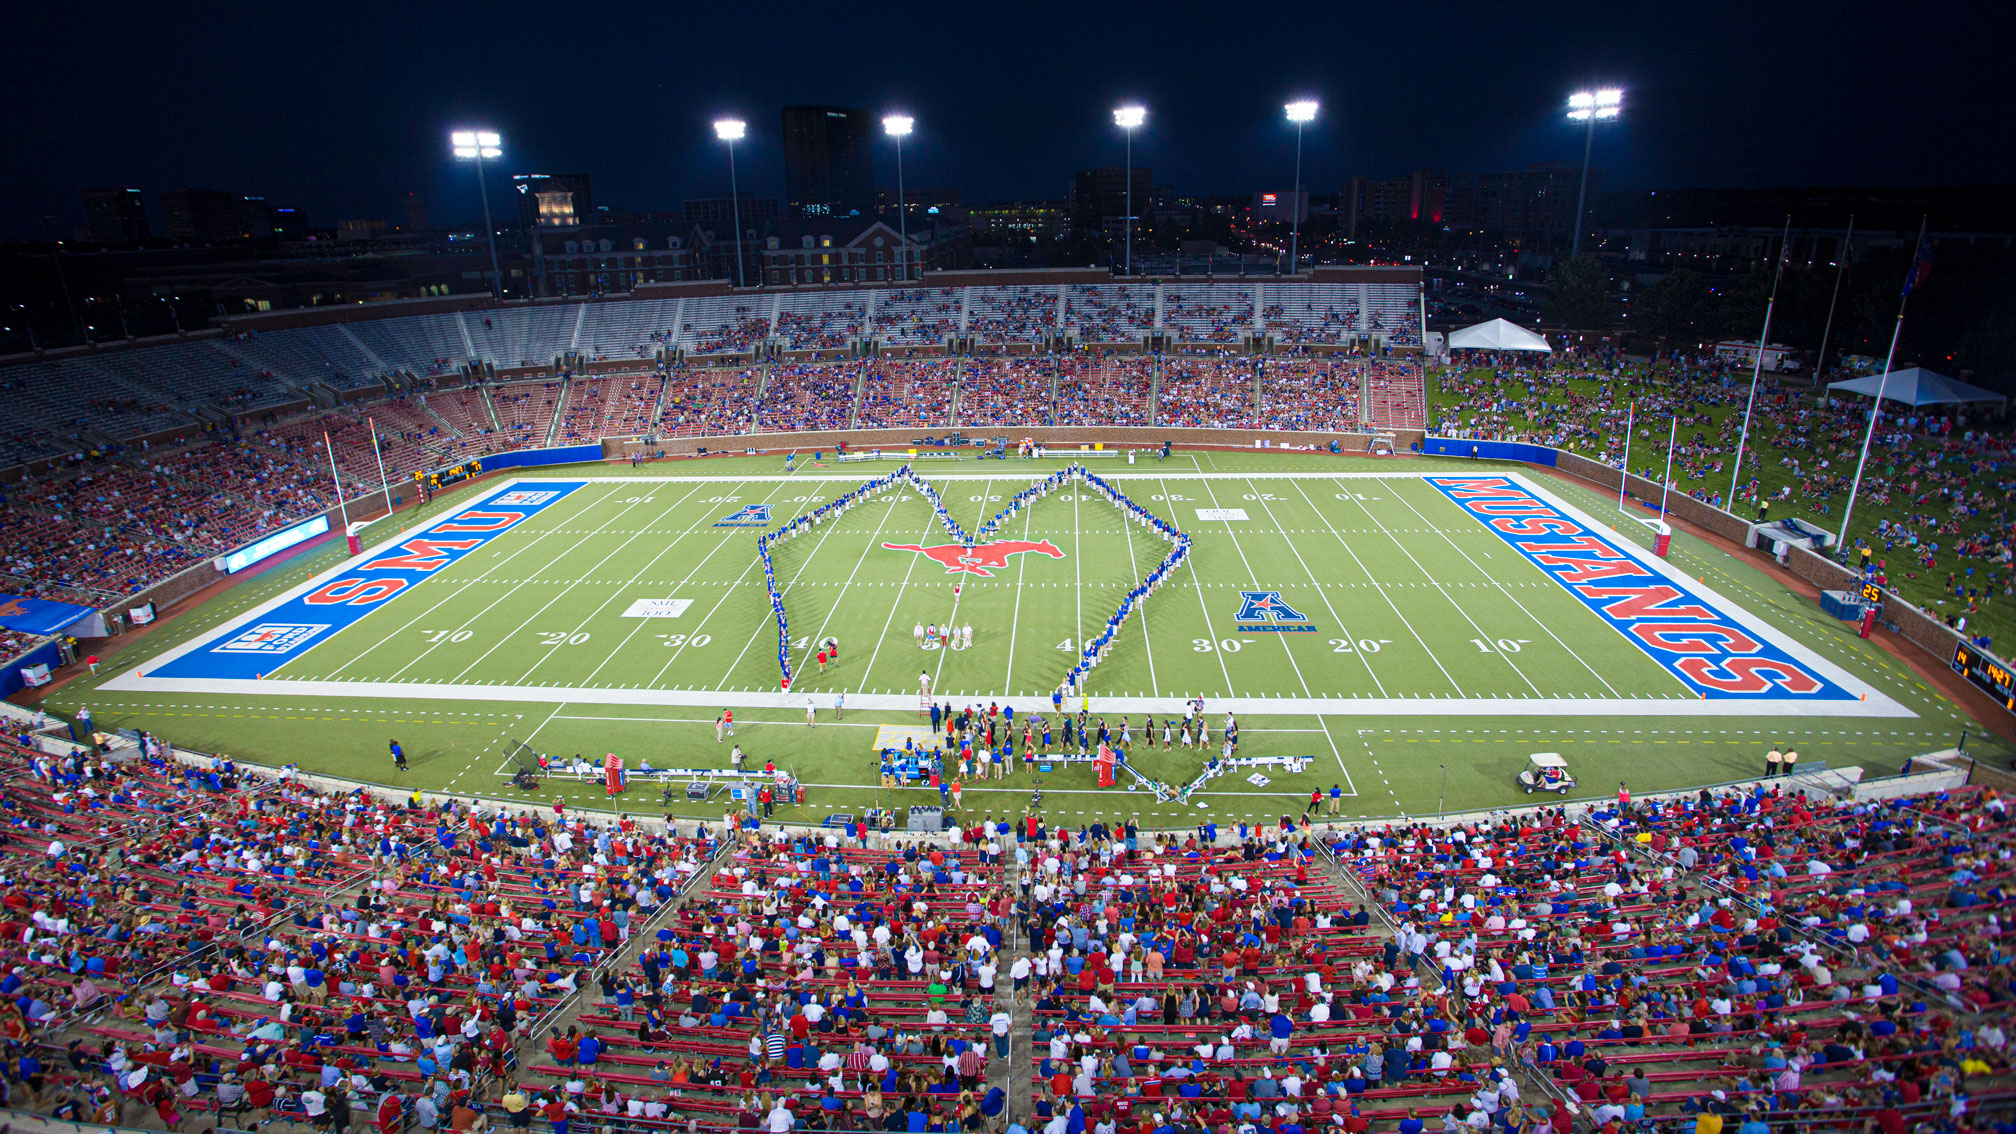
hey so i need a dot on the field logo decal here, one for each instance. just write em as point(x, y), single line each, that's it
point(752, 516)
point(982, 559)
point(254, 647)
point(1265, 612)
point(1713, 654)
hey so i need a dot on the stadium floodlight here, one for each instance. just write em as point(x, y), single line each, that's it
point(731, 131)
point(480, 146)
point(1604, 104)
point(1128, 118)
point(1300, 112)
point(898, 127)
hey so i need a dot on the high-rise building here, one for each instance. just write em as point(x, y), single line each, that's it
point(1100, 195)
point(116, 216)
point(1291, 207)
point(416, 213)
point(213, 215)
point(528, 188)
point(1419, 197)
point(717, 214)
point(829, 161)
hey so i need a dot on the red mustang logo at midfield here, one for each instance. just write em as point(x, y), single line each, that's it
point(983, 559)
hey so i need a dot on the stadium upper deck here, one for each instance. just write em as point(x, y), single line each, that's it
point(61, 404)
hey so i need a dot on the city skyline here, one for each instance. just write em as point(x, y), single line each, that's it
point(997, 132)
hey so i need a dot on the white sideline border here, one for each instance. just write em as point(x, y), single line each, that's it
point(1873, 703)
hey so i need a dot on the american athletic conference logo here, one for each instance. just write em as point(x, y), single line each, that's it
point(1263, 612)
point(751, 516)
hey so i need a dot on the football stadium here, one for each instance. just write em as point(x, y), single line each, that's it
point(947, 698)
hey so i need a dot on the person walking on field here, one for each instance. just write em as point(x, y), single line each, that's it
point(398, 757)
point(839, 704)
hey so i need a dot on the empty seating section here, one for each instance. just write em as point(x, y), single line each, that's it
point(621, 405)
point(1206, 392)
point(1103, 390)
point(1396, 395)
point(525, 411)
point(522, 336)
point(1396, 310)
point(636, 328)
point(1311, 313)
point(799, 396)
point(192, 374)
point(307, 354)
point(997, 392)
point(924, 316)
point(1207, 313)
point(1000, 315)
point(724, 324)
point(821, 321)
point(709, 402)
point(427, 345)
point(1109, 313)
point(1309, 392)
point(48, 404)
point(907, 393)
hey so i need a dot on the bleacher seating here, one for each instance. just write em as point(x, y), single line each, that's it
point(1311, 313)
point(523, 336)
point(1396, 311)
point(1207, 313)
point(820, 321)
point(1104, 389)
point(1309, 392)
point(1396, 394)
point(924, 316)
point(1002, 315)
point(634, 328)
point(618, 405)
point(724, 324)
point(1206, 392)
point(999, 392)
point(1109, 313)
point(915, 392)
point(801, 396)
point(709, 402)
point(525, 411)
point(427, 345)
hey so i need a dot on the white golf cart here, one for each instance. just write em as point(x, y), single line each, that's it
point(1545, 771)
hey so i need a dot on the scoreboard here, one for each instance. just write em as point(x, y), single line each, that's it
point(1988, 672)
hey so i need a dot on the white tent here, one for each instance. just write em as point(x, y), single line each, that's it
point(1496, 335)
point(1919, 387)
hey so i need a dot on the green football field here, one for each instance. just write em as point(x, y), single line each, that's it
point(1398, 645)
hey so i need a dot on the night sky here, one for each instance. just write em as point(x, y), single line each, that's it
point(342, 109)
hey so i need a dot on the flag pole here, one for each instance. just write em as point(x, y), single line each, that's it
point(383, 481)
point(329, 447)
point(1630, 416)
point(1847, 252)
point(1757, 371)
point(1672, 437)
point(1876, 407)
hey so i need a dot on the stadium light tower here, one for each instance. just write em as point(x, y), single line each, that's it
point(1590, 107)
point(1127, 118)
point(1300, 112)
point(898, 127)
point(731, 130)
point(477, 145)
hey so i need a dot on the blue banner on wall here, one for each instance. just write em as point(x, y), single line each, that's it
point(1715, 654)
point(40, 617)
point(261, 643)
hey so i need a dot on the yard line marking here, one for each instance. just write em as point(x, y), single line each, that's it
point(1205, 610)
point(1401, 496)
point(618, 591)
point(586, 505)
point(1134, 566)
point(567, 590)
point(874, 539)
point(958, 592)
point(1015, 617)
point(1346, 545)
point(643, 623)
point(1255, 577)
point(1321, 592)
point(894, 606)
